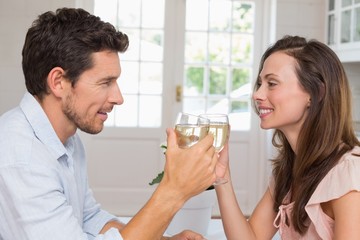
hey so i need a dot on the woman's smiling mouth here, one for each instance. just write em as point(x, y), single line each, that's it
point(265, 111)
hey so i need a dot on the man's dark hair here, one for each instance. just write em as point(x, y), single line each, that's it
point(66, 39)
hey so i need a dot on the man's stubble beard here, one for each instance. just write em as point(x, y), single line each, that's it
point(81, 123)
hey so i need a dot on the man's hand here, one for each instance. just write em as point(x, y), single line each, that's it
point(189, 171)
point(187, 235)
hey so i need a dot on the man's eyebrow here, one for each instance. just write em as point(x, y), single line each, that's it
point(108, 78)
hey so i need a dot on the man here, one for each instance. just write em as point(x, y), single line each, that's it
point(71, 66)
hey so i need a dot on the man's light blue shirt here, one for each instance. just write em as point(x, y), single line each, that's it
point(44, 192)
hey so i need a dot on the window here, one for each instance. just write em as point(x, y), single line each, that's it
point(218, 59)
point(141, 77)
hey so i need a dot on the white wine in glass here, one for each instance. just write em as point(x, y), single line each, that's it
point(220, 131)
point(219, 127)
point(190, 129)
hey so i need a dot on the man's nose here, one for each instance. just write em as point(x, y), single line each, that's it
point(116, 97)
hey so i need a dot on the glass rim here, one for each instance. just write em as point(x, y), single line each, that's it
point(214, 114)
point(194, 116)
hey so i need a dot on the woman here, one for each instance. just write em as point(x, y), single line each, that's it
point(302, 92)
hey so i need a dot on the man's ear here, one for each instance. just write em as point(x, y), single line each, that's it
point(56, 80)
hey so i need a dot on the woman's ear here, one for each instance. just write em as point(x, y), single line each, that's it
point(55, 81)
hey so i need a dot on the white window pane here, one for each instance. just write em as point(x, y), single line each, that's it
point(243, 17)
point(151, 45)
point(149, 19)
point(357, 24)
point(142, 66)
point(219, 44)
point(331, 5)
point(195, 47)
point(345, 26)
point(220, 15)
point(241, 78)
point(129, 78)
point(218, 106)
point(345, 3)
point(126, 115)
point(107, 11)
point(223, 48)
point(150, 111)
point(197, 15)
point(150, 78)
point(239, 114)
point(218, 81)
point(194, 81)
point(242, 49)
point(194, 105)
point(331, 29)
point(133, 51)
point(128, 13)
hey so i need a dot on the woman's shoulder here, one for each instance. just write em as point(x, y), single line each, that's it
point(341, 179)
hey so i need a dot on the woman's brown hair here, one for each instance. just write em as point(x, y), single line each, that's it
point(327, 132)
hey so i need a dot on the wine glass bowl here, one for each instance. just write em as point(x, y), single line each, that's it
point(219, 127)
point(190, 129)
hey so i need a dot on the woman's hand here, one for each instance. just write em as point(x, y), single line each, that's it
point(222, 165)
point(223, 162)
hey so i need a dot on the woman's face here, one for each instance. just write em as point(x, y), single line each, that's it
point(280, 99)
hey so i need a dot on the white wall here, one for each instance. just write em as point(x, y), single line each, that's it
point(305, 18)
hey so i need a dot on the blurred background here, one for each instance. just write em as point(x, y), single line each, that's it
point(194, 56)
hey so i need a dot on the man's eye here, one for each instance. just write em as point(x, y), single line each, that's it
point(107, 83)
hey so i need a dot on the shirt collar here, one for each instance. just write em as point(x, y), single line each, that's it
point(42, 127)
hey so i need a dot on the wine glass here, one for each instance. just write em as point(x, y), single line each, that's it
point(190, 129)
point(219, 127)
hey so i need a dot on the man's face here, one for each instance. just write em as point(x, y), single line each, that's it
point(95, 93)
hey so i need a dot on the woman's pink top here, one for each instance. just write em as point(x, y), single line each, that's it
point(340, 180)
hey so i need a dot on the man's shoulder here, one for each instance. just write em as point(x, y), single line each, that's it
point(12, 120)
point(16, 138)
point(14, 125)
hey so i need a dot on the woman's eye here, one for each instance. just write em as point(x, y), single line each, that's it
point(271, 84)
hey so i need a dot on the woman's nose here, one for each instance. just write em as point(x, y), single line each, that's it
point(259, 93)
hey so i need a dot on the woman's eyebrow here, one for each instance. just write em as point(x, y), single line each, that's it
point(270, 75)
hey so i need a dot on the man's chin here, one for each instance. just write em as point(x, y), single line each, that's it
point(92, 130)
